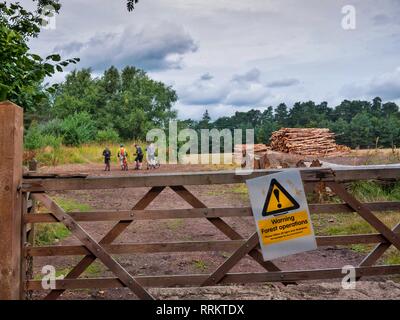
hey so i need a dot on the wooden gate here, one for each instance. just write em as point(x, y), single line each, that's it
point(18, 196)
point(236, 243)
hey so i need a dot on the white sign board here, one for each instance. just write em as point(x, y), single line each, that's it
point(281, 213)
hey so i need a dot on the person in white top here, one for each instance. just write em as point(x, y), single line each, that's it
point(151, 156)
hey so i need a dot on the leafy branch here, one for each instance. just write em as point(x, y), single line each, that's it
point(131, 4)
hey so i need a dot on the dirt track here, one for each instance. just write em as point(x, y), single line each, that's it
point(195, 263)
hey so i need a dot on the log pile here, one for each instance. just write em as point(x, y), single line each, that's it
point(258, 148)
point(306, 141)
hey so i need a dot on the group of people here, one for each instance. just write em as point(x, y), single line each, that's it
point(123, 157)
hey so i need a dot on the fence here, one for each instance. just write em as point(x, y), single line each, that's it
point(19, 195)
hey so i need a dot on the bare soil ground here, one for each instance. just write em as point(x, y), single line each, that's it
point(196, 263)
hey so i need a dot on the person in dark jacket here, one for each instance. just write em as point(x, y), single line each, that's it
point(107, 159)
point(139, 157)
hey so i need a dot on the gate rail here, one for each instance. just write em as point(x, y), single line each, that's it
point(335, 179)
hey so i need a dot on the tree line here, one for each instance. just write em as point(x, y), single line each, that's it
point(357, 124)
point(125, 104)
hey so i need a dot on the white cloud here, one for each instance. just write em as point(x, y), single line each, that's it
point(242, 90)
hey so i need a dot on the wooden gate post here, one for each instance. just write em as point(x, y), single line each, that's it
point(11, 149)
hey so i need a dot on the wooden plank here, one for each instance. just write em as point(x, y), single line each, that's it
point(129, 248)
point(11, 149)
point(107, 239)
point(194, 213)
point(365, 213)
point(230, 278)
point(95, 248)
point(189, 246)
point(24, 209)
point(130, 215)
point(309, 175)
point(230, 262)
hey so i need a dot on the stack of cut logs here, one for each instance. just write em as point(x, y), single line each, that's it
point(258, 148)
point(306, 141)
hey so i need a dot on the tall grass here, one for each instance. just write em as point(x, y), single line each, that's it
point(87, 153)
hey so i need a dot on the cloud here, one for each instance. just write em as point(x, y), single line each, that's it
point(252, 95)
point(251, 76)
point(381, 19)
point(154, 48)
point(242, 90)
point(207, 76)
point(386, 86)
point(203, 93)
point(283, 83)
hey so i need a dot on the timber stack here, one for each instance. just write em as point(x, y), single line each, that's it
point(257, 148)
point(306, 141)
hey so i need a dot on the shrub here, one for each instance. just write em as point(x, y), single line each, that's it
point(77, 129)
point(53, 128)
point(108, 135)
point(33, 139)
point(54, 144)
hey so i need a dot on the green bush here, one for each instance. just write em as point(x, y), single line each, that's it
point(33, 139)
point(78, 128)
point(108, 135)
point(53, 128)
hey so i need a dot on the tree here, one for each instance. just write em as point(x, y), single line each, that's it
point(362, 131)
point(22, 72)
point(390, 109)
point(281, 115)
point(205, 121)
point(376, 108)
point(266, 127)
point(127, 101)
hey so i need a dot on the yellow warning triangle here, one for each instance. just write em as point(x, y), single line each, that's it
point(278, 200)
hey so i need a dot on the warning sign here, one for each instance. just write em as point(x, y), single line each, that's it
point(278, 200)
point(282, 216)
point(286, 227)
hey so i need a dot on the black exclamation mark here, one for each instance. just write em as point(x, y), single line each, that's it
point(276, 193)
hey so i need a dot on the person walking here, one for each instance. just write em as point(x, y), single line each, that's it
point(123, 158)
point(107, 159)
point(151, 156)
point(139, 157)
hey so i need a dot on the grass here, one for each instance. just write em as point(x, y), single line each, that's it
point(200, 265)
point(352, 223)
point(87, 153)
point(61, 272)
point(50, 233)
point(94, 269)
point(238, 189)
point(378, 155)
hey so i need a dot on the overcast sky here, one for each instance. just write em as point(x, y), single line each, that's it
point(230, 55)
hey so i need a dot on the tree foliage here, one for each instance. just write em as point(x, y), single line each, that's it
point(21, 71)
point(131, 4)
point(127, 102)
